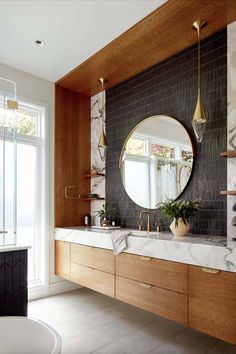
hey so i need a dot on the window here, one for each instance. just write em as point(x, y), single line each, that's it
point(157, 168)
point(30, 180)
point(136, 177)
point(166, 152)
point(135, 146)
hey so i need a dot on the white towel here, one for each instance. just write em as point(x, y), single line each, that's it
point(119, 241)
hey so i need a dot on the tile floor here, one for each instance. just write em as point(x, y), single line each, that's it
point(90, 322)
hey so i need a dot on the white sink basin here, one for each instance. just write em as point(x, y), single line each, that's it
point(142, 233)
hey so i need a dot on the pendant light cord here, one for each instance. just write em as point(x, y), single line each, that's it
point(199, 64)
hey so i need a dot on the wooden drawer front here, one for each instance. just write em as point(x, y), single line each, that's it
point(94, 279)
point(212, 303)
point(62, 259)
point(164, 274)
point(163, 302)
point(93, 257)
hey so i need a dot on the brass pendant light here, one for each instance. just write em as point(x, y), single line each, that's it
point(102, 143)
point(199, 117)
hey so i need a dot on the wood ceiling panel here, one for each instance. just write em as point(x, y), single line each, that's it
point(163, 33)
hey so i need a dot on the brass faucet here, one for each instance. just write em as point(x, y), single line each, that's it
point(148, 220)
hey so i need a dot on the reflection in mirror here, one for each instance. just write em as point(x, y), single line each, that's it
point(156, 161)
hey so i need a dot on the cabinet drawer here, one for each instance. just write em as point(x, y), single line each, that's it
point(62, 259)
point(94, 279)
point(163, 302)
point(164, 274)
point(93, 257)
point(212, 303)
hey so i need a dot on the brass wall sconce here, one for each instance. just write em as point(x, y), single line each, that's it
point(102, 143)
point(199, 117)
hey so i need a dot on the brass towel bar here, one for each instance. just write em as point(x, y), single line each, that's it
point(66, 192)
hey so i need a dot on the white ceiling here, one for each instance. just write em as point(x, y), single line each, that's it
point(73, 30)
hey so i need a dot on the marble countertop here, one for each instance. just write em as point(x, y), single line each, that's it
point(200, 250)
point(17, 247)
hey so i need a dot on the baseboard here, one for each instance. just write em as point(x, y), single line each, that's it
point(41, 291)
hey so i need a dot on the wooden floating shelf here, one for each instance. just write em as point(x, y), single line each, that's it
point(228, 154)
point(91, 199)
point(93, 175)
point(228, 192)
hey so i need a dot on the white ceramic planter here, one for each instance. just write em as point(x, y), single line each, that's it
point(181, 229)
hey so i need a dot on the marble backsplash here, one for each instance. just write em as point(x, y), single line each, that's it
point(231, 129)
point(98, 120)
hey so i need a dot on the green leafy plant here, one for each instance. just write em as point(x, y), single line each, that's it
point(102, 213)
point(179, 209)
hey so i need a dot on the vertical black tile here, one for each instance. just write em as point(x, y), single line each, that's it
point(170, 88)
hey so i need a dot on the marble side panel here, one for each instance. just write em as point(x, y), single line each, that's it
point(97, 123)
point(193, 250)
point(231, 129)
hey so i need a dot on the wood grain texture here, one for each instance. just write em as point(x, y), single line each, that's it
point(228, 154)
point(164, 274)
point(94, 279)
point(163, 302)
point(163, 33)
point(93, 257)
point(62, 259)
point(212, 303)
point(72, 155)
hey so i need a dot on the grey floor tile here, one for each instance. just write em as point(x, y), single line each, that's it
point(90, 322)
point(222, 348)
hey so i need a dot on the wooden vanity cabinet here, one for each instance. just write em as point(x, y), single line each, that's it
point(93, 257)
point(165, 303)
point(93, 267)
point(94, 279)
point(212, 302)
point(161, 273)
point(62, 259)
point(201, 298)
point(154, 285)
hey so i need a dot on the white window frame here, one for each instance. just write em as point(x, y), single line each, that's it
point(42, 192)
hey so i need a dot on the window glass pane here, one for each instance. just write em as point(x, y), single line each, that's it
point(27, 121)
point(187, 156)
point(135, 146)
point(136, 181)
point(27, 202)
point(1, 189)
point(166, 152)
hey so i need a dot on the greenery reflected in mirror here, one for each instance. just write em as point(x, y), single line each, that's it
point(156, 161)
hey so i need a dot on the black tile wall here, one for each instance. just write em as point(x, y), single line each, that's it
point(169, 88)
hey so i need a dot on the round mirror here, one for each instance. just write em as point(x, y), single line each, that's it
point(156, 161)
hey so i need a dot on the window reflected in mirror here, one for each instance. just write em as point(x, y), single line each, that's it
point(156, 161)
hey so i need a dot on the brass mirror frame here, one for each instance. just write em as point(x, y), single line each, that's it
point(133, 130)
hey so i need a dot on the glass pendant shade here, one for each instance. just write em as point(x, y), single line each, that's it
point(102, 146)
point(199, 117)
point(102, 143)
point(199, 120)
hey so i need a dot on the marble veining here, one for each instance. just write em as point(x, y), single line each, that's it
point(98, 118)
point(212, 252)
point(231, 126)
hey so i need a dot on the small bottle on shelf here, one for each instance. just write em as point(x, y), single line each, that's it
point(87, 220)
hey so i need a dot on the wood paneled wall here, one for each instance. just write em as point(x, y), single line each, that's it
point(72, 155)
point(161, 34)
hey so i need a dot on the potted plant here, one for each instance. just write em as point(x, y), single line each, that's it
point(180, 211)
point(102, 213)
